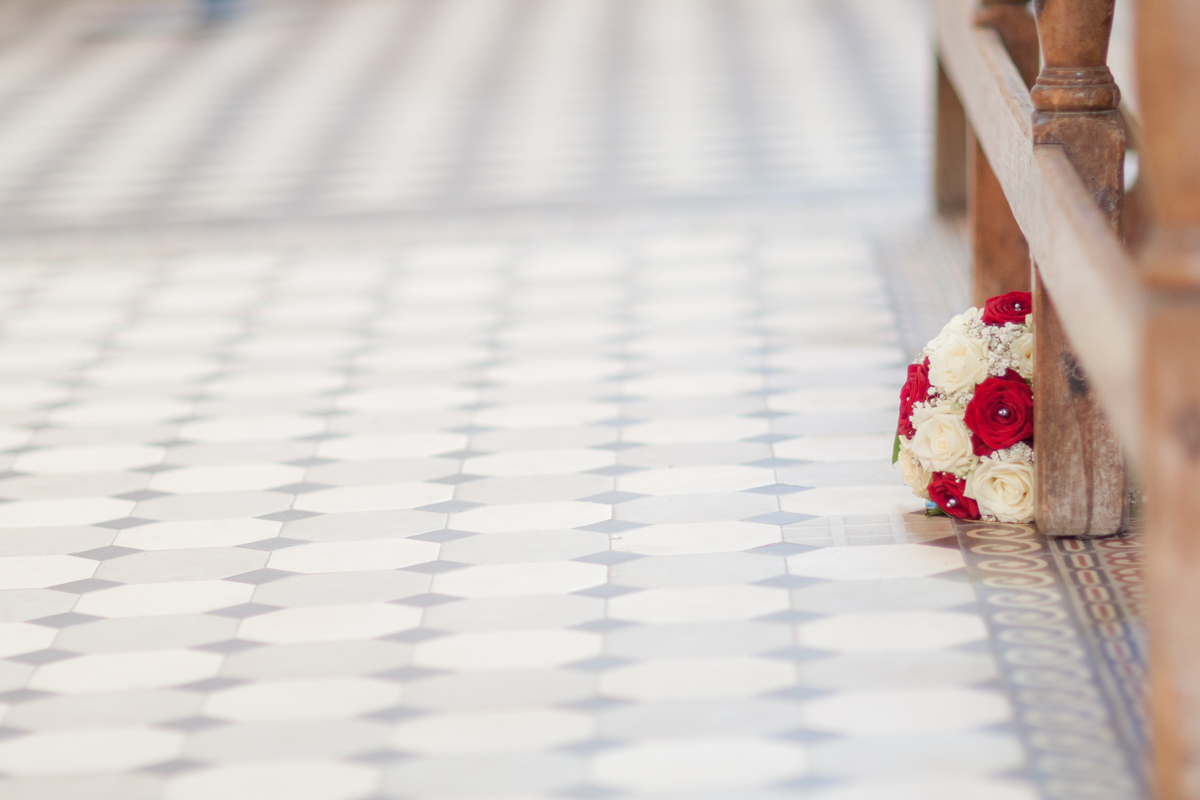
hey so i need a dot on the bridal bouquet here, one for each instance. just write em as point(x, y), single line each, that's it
point(965, 437)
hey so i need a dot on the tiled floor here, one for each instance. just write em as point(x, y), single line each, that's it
point(514, 519)
point(539, 452)
point(123, 112)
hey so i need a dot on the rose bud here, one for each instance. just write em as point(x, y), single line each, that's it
point(947, 491)
point(915, 390)
point(1005, 308)
point(1000, 414)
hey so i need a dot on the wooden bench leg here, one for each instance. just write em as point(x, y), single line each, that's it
point(1081, 483)
point(950, 149)
point(1080, 468)
point(999, 251)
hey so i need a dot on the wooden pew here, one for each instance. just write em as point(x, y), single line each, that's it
point(1118, 329)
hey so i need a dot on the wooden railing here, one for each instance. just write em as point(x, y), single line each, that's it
point(1034, 154)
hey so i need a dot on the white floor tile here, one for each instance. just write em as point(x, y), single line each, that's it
point(332, 698)
point(148, 599)
point(899, 631)
point(698, 604)
point(875, 562)
point(505, 650)
point(329, 623)
point(280, 780)
point(89, 751)
point(898, 712)
point(501, 731)
point(678, 679)
point(695, 537)
point(125, 672)
point(699, 765)
point(509, 580)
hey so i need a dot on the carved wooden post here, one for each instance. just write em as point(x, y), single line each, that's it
point(1080, 471)
point(1000, 253)
point(1169, 83)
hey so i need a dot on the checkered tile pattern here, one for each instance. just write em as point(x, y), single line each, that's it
point(507, 519)
point(127, 112)
point(568, 510)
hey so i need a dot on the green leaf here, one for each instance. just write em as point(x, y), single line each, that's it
point(935, 512)
point(896, 449)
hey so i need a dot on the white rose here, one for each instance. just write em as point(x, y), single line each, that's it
point(956, 326)
point(942, 442)
point(1022, 353)
point(916, 478)
point(1003, 489)
point(959, 363)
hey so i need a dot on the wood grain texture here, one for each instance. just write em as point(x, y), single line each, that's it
point(1080, 468)
point(999, 251)
point(1098, 293)
point(950, 149)
point(1168, 68)
point(1017, 28)
point(1081, 482)
point(1171, 471)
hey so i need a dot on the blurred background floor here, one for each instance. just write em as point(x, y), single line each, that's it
point(137, 114)
point(491, 400)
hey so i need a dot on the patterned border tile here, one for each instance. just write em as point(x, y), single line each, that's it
point(1062, 616)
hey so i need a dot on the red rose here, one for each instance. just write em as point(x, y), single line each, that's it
point(1011, 307)
point(1000, 414)
point(915, 390)
point(947, 491)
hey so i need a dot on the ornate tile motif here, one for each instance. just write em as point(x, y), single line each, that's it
point(1063, 620)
